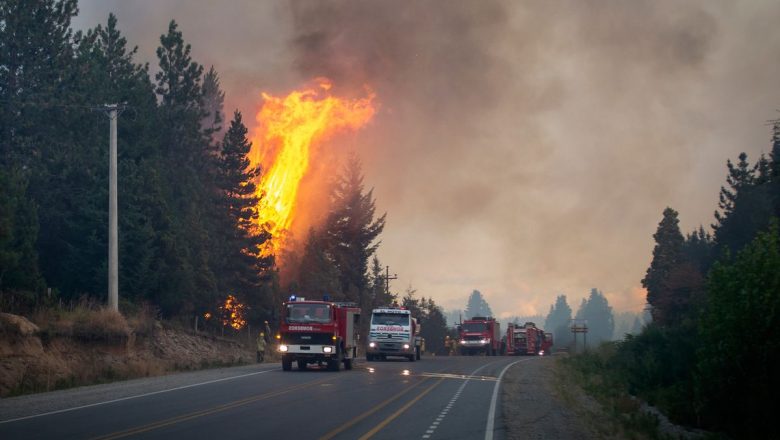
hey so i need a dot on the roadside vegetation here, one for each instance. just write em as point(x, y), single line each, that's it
point(710, 357)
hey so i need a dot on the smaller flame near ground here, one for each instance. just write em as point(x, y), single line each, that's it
point(290, 130)
point(233, 313)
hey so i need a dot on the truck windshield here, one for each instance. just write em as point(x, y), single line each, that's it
point(319, 313)
point(390, 319)
point(474, 327)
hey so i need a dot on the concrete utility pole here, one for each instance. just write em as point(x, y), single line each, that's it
point(113, 111)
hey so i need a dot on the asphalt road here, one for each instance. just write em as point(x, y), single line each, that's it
point(437, 398)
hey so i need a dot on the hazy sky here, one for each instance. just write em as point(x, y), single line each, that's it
point(525, 150)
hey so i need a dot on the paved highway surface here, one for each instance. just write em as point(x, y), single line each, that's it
point(436, 398)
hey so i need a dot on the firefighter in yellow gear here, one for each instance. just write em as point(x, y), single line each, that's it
point(261, 347)
point(449, 345)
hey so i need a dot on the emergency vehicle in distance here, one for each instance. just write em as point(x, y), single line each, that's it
point(480, 335)
point(318, 332)
point(527, 340)
point(393, 332)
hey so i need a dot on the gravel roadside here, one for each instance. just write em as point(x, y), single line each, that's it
point(533, 408)
point(28, 405)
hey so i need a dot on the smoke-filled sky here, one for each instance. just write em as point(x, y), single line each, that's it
point(525, 149)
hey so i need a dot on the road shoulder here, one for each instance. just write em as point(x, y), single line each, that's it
point(537, 405)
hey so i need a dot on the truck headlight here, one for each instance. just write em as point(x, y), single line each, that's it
point(283, 348)
point(462, 341)
point(372, 344)
point(327, 349)
point(406, 346)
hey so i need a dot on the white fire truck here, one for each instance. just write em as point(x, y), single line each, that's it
point(393, 332)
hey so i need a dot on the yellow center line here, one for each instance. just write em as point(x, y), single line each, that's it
point(400, 411)
point(214, 410)
point(357, 419)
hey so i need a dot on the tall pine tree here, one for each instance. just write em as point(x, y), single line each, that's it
point(352, 230)
point(666, 255)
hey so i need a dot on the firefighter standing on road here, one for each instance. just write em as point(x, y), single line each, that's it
point(261, 347)
point(448, 345)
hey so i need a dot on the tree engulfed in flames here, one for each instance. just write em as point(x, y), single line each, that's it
point(288, 132)
point(233, 313)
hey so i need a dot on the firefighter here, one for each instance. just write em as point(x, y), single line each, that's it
point(261, 347)
point(448, 345)
point(267, 333)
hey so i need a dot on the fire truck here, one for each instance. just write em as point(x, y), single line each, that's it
point(393, 332)
point(525, 340)
point(547, 344)
point(318, 332)
point(480, 335)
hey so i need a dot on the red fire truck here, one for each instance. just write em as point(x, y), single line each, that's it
point(547, 344)
point(480, 335)
point(524, 340)
point(321, 332)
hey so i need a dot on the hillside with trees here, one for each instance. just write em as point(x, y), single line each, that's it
point(187, 195)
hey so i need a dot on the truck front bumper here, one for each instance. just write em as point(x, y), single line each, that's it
point(390, 348)
point(308, 351)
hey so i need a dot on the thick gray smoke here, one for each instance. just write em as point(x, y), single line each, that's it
point(523, 149)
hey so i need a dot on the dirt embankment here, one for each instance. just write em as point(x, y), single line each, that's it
point(101, 346)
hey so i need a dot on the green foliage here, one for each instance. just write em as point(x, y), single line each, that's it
point(18, 234)
point(597, 311)
point(319, 275)
point(352, 230)
point(666, 255)
point(477, 306)
point(558, 320)
point(182, 197)
point(431, 319)
point(740, 351)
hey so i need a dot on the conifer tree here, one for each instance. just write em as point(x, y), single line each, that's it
point(666, 255)
point(597, 311)
point(352, 230)
point(319, 276)
point(238, 261)
point(558, 320)
point(477, 306)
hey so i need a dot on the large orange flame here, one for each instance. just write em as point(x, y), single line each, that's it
point(289, 131)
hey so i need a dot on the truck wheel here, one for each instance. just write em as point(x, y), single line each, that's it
point(334, 365)
point(302, 365)
point(286, 363)
point(369, 357)
point(348, 364)
point(412, 358)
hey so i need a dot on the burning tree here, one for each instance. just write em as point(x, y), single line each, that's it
point(233, 313)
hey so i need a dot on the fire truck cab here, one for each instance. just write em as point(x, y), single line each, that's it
point(318, 332)
point(480, 335)
point(393, 332)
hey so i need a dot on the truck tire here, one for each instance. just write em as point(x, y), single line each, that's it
point(369, 357)
point(348, 364)
point(286, 363)
point(412, 358)
point(334, 365)
point(302, 365)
